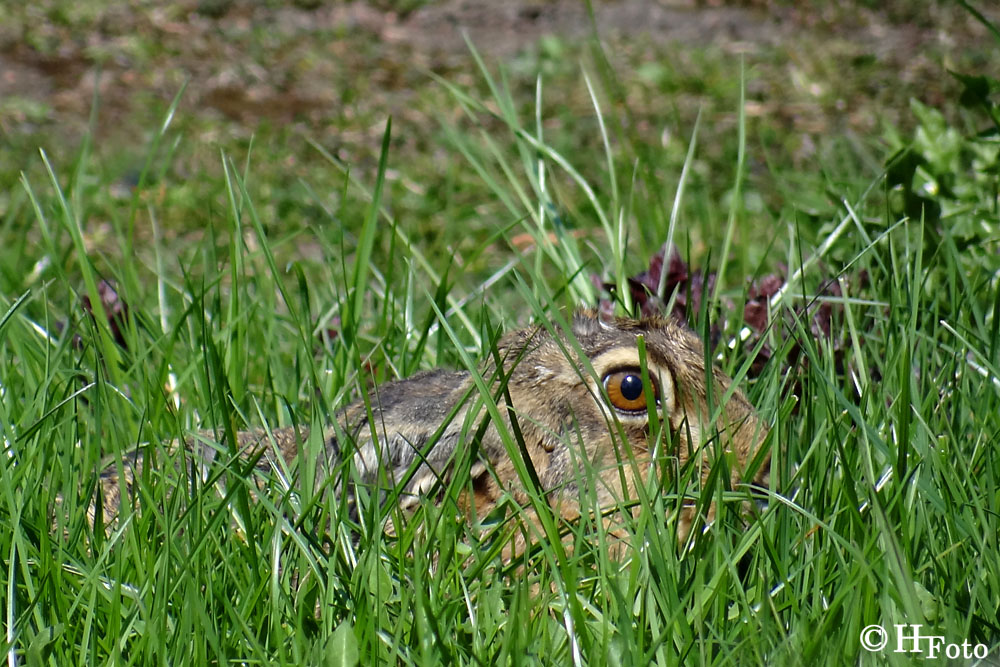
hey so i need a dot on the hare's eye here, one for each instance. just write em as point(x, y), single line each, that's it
point(626, 391)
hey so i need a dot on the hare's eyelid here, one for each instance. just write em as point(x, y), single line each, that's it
point(626, 358)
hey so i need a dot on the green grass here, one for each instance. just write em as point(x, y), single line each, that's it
point(886, 498)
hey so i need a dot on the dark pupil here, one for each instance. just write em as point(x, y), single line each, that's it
point(631, 387)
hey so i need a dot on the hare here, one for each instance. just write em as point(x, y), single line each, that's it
point(578, 406)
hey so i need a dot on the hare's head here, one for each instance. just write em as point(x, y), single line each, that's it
point(577, 395)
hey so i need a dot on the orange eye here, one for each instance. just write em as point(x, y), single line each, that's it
point(625, 390)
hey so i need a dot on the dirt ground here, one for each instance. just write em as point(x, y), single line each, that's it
point(251, 61)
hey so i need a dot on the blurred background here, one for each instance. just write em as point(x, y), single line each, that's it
point(828, 85)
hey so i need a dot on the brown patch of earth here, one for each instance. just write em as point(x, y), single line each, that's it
point(250, 63)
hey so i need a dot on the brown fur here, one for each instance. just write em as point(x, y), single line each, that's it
point(572, 435)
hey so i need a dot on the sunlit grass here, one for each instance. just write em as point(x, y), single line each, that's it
point(885, 496)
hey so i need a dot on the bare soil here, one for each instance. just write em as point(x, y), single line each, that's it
point(249, 61)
